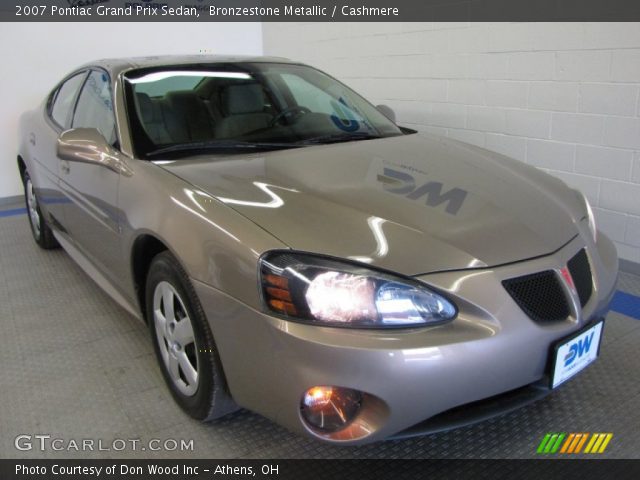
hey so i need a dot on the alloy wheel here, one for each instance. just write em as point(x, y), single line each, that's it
point(32, 203)
point(175, 337)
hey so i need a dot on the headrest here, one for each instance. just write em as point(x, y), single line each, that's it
point(185, 101)
point(243, 98)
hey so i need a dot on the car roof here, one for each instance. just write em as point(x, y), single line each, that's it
point(117, 65)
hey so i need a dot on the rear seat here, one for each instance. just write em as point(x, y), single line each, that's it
point(187, 118)
point(150, 113)
point(179, 117)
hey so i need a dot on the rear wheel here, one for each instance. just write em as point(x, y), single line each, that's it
point(184, 343)
point(40, 229)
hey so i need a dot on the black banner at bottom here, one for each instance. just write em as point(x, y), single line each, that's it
point(566, 468)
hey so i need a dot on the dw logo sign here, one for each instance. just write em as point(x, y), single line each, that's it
point(402, 183)
point(578, 349)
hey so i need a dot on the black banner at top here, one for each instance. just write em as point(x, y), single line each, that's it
point(319, 10)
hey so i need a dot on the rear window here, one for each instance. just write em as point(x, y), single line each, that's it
point(172, 84)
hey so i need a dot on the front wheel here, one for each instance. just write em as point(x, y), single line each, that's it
point(184, 343)
point(40, 229)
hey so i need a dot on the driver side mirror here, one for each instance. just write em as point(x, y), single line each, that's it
point(87, 145)
point(387, 111)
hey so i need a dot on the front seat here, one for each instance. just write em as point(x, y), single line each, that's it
point(244, 106)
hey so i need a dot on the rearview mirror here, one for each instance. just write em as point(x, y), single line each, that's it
point(87, 145)
point(387, 111)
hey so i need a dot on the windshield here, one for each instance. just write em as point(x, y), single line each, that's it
point(183, 110)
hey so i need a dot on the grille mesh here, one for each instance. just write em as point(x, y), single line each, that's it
point(539, 295)
point(581, 273)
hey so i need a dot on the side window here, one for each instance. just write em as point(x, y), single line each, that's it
point(95, 107)
point(63, 103)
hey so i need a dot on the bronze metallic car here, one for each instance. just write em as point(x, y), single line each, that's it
point(297, 253)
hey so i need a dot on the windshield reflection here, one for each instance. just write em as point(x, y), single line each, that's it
point(180, 111)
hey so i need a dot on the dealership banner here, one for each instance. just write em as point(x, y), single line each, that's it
point(578, 469)
point(318, 10)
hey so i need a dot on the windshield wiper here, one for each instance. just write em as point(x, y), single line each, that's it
point(223, 145)
point(338, 137)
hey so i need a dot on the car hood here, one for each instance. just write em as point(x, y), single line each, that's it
point(413, 204)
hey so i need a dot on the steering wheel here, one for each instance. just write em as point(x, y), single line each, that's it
point(289, 112)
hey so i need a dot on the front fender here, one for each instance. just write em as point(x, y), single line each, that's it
point(215, 245)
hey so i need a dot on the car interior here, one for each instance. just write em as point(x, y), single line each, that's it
point(282, 107)
point(212, 110)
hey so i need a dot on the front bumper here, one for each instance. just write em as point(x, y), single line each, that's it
point(411, 375)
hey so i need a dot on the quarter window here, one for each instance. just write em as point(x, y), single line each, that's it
point(63, 103)
point(95, 107)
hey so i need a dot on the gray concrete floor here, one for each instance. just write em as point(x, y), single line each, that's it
point(74, 365)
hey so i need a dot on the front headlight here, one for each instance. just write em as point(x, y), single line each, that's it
point(325, 291)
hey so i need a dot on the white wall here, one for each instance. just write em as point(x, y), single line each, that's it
point(35, 56)
point(561, 96)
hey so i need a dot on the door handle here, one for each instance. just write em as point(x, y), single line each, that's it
point(65, 167)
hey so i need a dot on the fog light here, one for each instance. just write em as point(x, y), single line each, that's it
point(330, 408)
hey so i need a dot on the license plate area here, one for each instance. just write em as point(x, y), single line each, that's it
point(573, 354)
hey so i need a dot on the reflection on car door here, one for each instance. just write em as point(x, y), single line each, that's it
point(91, 215)
point(45, 169)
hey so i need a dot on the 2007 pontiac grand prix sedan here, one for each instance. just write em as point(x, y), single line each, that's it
point(295, 252)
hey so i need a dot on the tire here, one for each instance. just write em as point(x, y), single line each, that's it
point(186, 352)
point(40, 229)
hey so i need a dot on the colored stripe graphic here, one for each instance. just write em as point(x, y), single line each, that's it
point(543, 443)
point(591, 442)
point(567, 442)
point(573, 443)
point(599, 439)
point(551, 443)
point(556, 446)
point(607, 439)
point(600, 442)
point(582, 440)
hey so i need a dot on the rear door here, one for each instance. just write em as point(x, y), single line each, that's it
point(91, 215)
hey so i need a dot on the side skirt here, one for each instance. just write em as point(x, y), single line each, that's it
point(96, 276)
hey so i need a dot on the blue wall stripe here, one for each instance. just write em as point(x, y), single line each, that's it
point(626, 304)
point(622, 302)
point(11, 213)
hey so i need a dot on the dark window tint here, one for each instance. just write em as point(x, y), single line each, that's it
point(95, 107)
point(63, 104)
point(283, 105)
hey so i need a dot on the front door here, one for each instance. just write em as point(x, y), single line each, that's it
point(91, 211)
